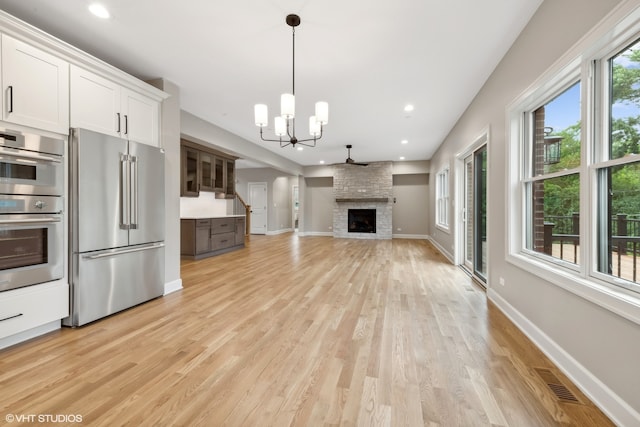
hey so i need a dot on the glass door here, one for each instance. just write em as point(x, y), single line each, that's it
point(480, 213)
point(467, 213)
point(474, 213)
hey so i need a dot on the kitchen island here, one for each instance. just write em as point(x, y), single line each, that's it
point(206, 236)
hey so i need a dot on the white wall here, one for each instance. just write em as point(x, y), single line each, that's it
point(597, 348)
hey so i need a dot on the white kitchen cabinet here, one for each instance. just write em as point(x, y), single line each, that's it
point(95, 102)
point(140, 115)
point(32, 306)
point(104, 106)
point(35, 87)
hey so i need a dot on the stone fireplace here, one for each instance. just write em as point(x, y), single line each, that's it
point(363, 188)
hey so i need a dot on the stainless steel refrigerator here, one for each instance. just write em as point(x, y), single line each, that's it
point(117, 225)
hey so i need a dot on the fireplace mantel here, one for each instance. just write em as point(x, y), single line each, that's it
point(364, 200)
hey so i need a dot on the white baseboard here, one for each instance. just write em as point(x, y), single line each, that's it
point(316, 233)
point(620, 412)
point(442, 250)
point(30, 333)
point(173, 286)
point(410, 236)
point(284, 230)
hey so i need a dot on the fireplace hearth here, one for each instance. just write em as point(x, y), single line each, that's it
point(361, 221)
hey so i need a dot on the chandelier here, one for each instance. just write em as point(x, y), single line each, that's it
point(285, 124)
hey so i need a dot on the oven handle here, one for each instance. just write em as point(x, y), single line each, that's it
point(30, 220)
point(123, 251)
point(30, 156)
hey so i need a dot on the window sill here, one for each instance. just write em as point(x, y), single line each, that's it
point(618, 301)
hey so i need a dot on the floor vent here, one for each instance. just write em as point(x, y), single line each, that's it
point(559, 390)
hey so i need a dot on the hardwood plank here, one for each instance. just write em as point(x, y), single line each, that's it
point(310, 331)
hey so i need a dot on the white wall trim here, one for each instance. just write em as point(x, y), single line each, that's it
point(30, 333)
point(173, 286)
point(410, 236)
point(281, 231)
point(620, 412)
point(316, 233)
point(442, 250)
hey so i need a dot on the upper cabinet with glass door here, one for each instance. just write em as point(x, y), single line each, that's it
point(204, 169)
point(35, 87)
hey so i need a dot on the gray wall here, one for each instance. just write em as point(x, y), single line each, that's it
point(591, 341)
point(410, 212)
point(411, 208)
point(198, 130)
point(410, 187)
point(318, 205)
point(279, 197)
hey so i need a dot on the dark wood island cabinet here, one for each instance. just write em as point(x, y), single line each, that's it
point(205, 237)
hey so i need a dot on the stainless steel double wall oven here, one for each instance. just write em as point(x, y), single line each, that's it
point(31, 209)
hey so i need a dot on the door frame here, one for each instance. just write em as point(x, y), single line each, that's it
point(295, 188)
point(266, 208)
point(480, 141)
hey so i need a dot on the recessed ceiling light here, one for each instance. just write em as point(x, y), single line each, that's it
point(99, 10)
point(404, 141)
point(300, 148)
point(322, 162)
point(408, 107)
point(401, 157)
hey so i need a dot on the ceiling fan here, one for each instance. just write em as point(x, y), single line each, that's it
point(350, 161)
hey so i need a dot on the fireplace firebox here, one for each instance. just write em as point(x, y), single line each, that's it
point(362, 221)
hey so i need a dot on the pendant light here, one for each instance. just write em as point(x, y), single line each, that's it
point(285, 124)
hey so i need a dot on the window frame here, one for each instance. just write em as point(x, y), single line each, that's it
point(585, 60)
point(443, 197)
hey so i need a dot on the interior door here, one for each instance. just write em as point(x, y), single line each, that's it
point(258, 202)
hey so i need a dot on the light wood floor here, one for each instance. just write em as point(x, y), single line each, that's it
point(310, 331)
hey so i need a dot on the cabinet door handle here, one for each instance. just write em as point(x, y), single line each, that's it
point(11, 317)
point(10, 99)
point(118, 115)
point(126, 124)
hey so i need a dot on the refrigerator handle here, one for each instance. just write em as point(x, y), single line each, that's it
point(134, 191)
point(124, 192)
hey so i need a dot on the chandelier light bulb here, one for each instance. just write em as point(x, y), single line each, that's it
point(314, 126)
point(322, 112)
point(287, 105)
point(261, 115)
point(280, 126)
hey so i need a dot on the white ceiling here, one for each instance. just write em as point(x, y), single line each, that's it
point(368, 59)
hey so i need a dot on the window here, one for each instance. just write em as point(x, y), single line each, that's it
point(442, 198)
point(552, 177)
point(574, 170)
point(618, 170)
